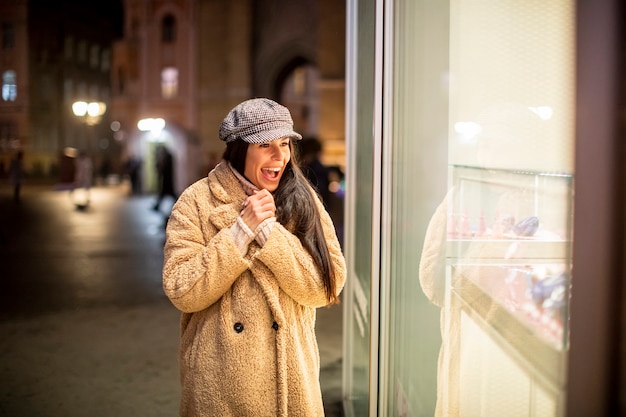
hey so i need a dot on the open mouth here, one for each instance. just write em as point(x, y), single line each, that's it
point(272, 173)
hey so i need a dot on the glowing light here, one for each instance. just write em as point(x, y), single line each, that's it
point(467, 131)
point(92, 111)
point(79, 108)
point(96, 108)
point(70, 152)
point(152, 125)
point(544, 112)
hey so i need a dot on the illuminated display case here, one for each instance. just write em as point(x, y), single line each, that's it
point(509, 264)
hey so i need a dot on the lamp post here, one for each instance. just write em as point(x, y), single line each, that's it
point(91, 111)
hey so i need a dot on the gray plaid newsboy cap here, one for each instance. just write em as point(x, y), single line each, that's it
point(258, 120)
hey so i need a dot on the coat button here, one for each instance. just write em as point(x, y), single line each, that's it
point(238, 327)
point(275, 326)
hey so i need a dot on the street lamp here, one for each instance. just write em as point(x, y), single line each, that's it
point(91, 111)
point(155, 126)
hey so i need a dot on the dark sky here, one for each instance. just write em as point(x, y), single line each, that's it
point(110, 10)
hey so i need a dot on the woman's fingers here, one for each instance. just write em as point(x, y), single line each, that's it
point(258, 207)
point(261, 199)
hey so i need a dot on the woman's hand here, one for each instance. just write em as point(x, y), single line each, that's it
point(258, 207)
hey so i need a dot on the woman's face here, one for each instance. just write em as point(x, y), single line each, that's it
point(266, 162)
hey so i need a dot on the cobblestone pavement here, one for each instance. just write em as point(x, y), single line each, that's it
point(85, 329)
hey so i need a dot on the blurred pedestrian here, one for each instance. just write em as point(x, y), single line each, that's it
point(83, 179)
point(316, 172)
point(16, 175)
point(165, 176)
point(105, 170)
point(132, 169)
point(250, 254)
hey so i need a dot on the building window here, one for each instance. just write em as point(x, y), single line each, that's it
point(8, 35)
point(47, 89)
point(68, 90)
point(69, 48)
point(105, 62)
point(94, 56)
point(81, 91)
point(81, 51)
point(168, 29)
point(105, 94)
point(94, 92)
point(9, 86)
point(134, 28)
point(169, 82)
point(8, 136)
point(299, 81)
point(121, 80)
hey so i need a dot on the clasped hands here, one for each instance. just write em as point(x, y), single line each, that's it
point(257, 208)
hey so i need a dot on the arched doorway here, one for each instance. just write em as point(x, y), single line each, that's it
point(296, 87)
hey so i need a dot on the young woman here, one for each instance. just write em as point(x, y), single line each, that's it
point(250, 254)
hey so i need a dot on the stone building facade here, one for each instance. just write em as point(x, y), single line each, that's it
point(189, 62)
point(53, 53)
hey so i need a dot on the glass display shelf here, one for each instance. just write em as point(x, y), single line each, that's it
point(509, 251)
point(514, 295)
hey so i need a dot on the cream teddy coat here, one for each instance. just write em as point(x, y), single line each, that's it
point(248, 345)
point(451, 384)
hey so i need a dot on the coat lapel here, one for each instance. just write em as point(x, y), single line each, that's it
point(228, 194)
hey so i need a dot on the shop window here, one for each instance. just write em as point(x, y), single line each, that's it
point(168, 29)
point(9, 86)
point(169, 82)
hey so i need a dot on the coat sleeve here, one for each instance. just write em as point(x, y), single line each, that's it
point(294, 268)
point(197, 270)
point(433, 259)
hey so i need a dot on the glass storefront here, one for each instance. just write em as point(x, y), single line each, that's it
point(460, 145)
point(360, 329)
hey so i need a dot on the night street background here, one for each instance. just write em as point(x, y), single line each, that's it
point(85, 329)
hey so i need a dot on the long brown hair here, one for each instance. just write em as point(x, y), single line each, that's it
point(295, 209)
